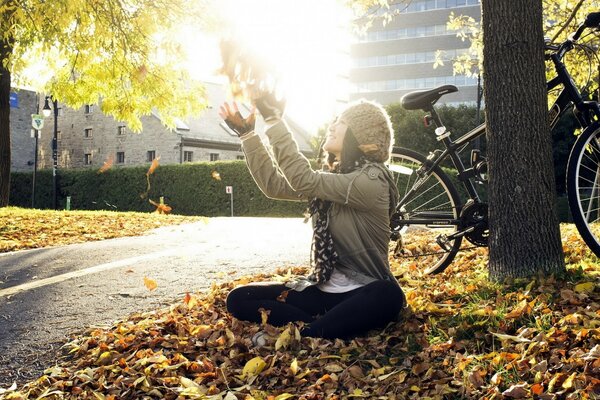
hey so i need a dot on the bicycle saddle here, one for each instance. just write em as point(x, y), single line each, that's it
point(425, 99)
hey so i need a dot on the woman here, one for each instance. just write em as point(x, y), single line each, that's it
point(350, 289)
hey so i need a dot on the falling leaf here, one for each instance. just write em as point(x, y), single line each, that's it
point(161, 207)
point(216, 175)
point(150, 283)
point(153, 166)
point(107, 165)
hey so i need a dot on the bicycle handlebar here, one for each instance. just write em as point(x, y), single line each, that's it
point(591, 21)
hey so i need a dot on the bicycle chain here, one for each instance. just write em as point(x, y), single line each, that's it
point(438, 252)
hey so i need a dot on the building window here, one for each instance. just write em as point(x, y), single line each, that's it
point(188, 156)
point(87, 133)
point(214, 156)
point(120, 157)
point(88, 108)
point(121, 130)
point(87, 159)
point(150, 155)
point(240, 157)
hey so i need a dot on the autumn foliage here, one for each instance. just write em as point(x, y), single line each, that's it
point(27, 229)
point(462, 337)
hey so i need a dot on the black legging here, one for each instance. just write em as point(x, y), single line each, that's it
point(328, 315)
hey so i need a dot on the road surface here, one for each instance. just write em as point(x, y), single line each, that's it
point(46, 295)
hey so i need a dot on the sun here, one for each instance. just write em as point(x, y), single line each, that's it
point(307, 41)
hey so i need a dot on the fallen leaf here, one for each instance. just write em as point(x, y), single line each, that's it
point(537, 388)
point(516, 391)
point(150, 283)
point(253, 367)
point(586, 287)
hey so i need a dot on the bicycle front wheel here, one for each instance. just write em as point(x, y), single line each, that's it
point(583, 186)
point(427, 214)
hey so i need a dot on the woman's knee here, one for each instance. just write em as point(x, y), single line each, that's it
point(388, 293)
point(235, 298)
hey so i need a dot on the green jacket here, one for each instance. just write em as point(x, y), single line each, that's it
point(359, 218)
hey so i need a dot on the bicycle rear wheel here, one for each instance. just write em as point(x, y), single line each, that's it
point(583, 186)
point(427, 214)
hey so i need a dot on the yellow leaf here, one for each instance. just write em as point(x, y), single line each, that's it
point(264, 315)
point(356, 393)
point(294, 366)
point(568, 383)
point(415, 388)
point(586, 287)
point(150, 283)
point(104, 357)
point(254, 367)
point(188, 383)
point(283, 341)
point(284, 396)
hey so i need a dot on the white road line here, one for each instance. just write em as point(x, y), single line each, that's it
point(91, 270)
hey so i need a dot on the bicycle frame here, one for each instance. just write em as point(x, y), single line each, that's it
point(586, 113)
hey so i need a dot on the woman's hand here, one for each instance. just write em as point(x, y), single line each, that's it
point(235, 121)
point(270, 106)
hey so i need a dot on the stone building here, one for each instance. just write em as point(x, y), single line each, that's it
point(88, 138)
point(22, 142)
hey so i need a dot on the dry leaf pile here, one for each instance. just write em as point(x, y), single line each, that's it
point(27, 229)
point(462, 337)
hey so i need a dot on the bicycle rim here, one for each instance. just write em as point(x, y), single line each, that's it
point(583, 184)
point(436, 198)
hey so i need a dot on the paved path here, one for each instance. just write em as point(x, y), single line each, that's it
point(48, 294)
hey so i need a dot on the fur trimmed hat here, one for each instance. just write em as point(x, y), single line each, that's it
point(372, 128)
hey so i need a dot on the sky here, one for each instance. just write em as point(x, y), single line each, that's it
point(307, 41)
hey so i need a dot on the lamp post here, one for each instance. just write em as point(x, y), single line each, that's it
point(46, 111)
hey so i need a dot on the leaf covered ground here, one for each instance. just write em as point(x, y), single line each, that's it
point(29, 228)
point(462, 337)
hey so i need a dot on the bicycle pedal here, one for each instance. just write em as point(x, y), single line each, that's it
point(442, 241)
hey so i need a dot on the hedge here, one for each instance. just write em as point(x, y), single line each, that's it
point(190, 189)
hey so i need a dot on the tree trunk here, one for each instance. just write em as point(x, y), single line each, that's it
point(524, 229)
point(5, 50)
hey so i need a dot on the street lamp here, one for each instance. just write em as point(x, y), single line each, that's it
point(46, 111)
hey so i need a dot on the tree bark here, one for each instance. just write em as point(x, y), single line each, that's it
point(524, 228)
point(5, 156)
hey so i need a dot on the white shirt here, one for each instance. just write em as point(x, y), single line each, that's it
point(339, 283)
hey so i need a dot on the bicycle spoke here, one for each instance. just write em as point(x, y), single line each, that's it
point(431, 200)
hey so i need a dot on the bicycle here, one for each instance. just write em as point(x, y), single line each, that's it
point(430, 219)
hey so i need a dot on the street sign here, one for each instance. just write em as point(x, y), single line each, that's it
point(14, 100)
point(228, 189)
point(37, 121)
